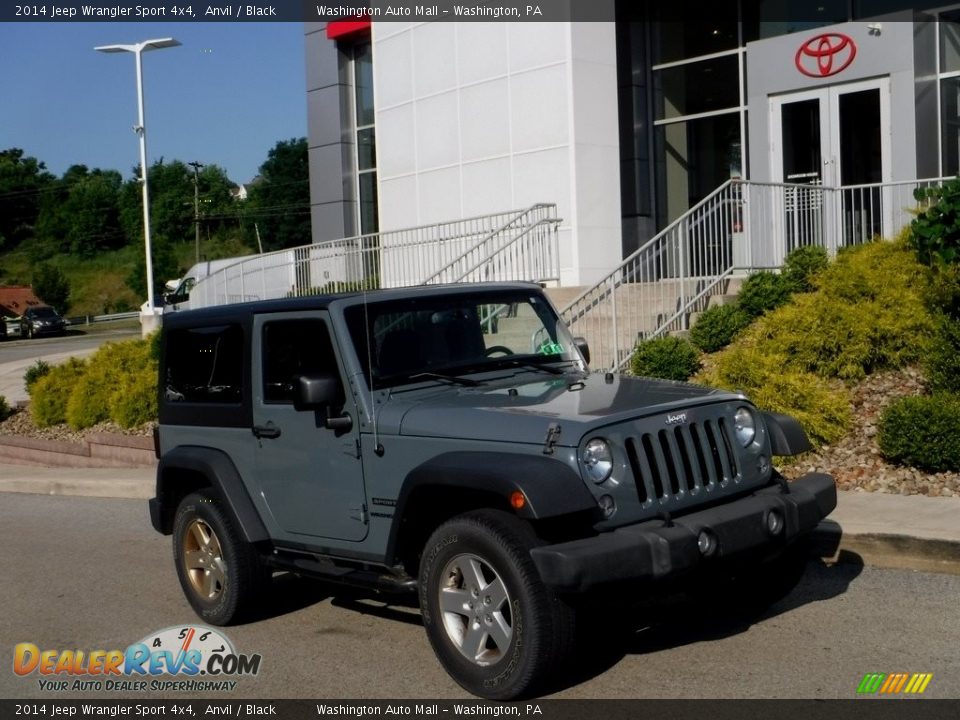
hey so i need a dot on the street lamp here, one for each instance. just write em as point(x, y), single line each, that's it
point(148, 323)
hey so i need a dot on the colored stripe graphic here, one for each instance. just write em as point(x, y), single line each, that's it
point(894, 683)
point(871, 683)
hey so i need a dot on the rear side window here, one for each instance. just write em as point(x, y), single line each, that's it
point(205, 365)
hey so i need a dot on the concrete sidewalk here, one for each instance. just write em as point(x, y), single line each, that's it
point(11, 373)
point(915, 532)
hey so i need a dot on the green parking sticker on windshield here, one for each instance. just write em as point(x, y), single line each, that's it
point(551, 348)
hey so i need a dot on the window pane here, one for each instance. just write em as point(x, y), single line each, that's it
point(950, 99)
point(205, 365)
point(697, 87)
point(291, 348)
point(366, 149)
point(368, 203)
point(693, 159)
point(363, 78)
point(681, 40)
point(950, 41)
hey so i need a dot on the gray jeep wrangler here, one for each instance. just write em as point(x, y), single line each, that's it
point(450, 441)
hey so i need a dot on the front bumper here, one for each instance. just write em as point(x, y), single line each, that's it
point(658, 549)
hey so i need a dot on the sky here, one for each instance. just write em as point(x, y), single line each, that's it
point(225, 97)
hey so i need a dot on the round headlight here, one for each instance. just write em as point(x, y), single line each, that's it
point(597, 460)
point(744, 426)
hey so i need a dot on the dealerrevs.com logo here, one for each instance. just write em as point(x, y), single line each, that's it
point(201, 658)
point(825, 55)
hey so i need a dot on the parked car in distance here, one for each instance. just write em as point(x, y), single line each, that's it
point(41, 320)
point(9, 327)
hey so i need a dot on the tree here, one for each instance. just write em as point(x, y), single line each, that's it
point(51, 286)
point(22, 183)
point(165, 267)
point(280, 200)
point(80, 214)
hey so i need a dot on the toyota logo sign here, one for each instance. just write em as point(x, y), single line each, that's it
point(826, 55)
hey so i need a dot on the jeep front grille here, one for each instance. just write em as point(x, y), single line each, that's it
point(677, 462)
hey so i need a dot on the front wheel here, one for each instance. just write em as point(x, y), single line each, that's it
point(494, 626)
point(222, 576)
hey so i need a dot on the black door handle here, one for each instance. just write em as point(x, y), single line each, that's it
point(266, 431)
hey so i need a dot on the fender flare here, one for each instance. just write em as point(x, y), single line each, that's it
point(786, 435)
point(551, 487)
point(222, 475)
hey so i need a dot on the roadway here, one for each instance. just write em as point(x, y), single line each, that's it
point(90, 573)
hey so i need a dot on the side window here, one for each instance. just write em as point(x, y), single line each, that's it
point(205, 365)
point(291, 348)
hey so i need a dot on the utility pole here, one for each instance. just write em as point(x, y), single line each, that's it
point(196, 203)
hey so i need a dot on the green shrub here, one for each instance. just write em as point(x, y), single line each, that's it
point(5, 409)
point(923, 432)
point(935, 233)
point(34, 373)
point(762, 292)
point(107, 371)
point(822, 408)
point(868, 315)
point(668, 357)
point(803, 265)
point(941, 362)
point(943, 293)
point(135, 399)
point(717, 327)
point(48, 400)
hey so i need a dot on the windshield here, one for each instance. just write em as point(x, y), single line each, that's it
point(449, 335)
point(44, 312)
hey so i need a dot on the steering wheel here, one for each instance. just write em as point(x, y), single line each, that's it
point(497, 349)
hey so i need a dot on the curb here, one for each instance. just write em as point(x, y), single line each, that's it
point(902, 552)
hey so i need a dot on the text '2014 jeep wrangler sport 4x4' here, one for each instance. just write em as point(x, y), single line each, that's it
point(450, 441)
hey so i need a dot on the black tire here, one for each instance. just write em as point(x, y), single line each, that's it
point(508, 644)
point(222, 576)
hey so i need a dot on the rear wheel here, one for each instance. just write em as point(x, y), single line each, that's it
point(494, 626)
point(222, 576)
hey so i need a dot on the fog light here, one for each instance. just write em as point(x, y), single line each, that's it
point(706, 543)
point(607, 505)
point(774, 522)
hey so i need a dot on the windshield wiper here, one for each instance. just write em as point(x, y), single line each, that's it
point(514, 362)
point(465, 382)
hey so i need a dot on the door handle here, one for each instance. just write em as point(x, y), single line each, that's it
point(269, 430)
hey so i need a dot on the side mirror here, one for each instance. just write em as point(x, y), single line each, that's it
point(315, 392)
point(583, 347)
point(321, 393)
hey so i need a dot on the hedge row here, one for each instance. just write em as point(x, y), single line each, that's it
point(118, 383)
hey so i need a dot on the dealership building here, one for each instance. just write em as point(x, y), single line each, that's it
point(625, 124)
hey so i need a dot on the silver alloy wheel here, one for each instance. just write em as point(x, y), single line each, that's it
point(476, 608)
point(203, 560)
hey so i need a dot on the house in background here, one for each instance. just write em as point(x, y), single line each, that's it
point(15, 299)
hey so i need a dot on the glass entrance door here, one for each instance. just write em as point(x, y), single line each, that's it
point(832, 137)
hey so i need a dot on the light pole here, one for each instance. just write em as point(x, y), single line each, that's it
point(196, 203)
point(148, 318)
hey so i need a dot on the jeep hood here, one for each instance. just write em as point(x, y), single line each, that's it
point(522, 409)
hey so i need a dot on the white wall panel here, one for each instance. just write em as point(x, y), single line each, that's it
point(398, 202)
point(487, 184)
point(539, 102)
point(481, 51)
point(395, 141)
point(392, 59)
point(437, 128)
point(439, 193)
point(535, 44)
point(484, 120)
point(434, 53)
